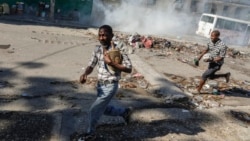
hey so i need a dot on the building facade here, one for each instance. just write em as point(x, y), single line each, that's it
point(65, 9)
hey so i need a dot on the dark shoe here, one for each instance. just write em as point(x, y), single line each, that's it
point(228, 77)
point(86, 137)
point(126, 114)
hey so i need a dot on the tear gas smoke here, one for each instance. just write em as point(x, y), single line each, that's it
point(139, 16)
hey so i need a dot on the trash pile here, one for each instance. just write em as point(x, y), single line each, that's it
point(129, 43)
point(136, 41)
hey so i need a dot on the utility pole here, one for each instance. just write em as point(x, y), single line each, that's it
point(52, 10)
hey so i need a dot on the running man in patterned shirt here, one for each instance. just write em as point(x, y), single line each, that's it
point(217, 50)
point(107, 84)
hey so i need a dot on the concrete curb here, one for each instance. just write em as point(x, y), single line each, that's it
point(42, 22)
point(159, 84)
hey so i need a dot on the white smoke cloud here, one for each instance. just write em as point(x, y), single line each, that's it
point(136, 16)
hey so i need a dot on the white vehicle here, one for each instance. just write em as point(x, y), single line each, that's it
point(233, 31)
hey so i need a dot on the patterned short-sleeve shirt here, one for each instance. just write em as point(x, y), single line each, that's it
point(217, 49)
point(102, 68)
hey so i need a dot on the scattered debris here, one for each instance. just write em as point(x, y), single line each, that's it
point(142, 83)
point(138, 75)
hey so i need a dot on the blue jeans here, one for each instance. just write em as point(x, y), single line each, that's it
point(101, 105)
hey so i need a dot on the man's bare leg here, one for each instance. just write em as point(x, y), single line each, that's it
point(202, 82)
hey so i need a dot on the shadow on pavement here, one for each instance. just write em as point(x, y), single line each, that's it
point(158, 128)
point(19, 126)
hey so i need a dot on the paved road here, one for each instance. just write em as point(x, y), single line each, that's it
point(41, 69)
